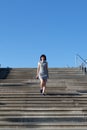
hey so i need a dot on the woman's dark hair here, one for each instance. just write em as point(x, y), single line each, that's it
point(43, 56)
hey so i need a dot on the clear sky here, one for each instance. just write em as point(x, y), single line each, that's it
point(29, 28)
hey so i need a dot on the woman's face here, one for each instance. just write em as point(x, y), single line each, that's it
point(43, 58)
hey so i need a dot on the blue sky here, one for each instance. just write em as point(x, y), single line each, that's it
point(29, 28)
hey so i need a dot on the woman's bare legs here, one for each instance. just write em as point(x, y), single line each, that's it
point(42, 85)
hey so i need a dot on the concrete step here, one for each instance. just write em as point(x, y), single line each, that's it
point(62, 113)
point(23, 108)
point(35, 95)
point(38, 123)
point(63, 107)
point(44, 102)
point(47, 128)
point(53, 73)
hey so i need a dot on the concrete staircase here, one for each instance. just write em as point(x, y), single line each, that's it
point(64, 107)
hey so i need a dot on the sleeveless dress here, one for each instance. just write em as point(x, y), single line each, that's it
point(43, 73)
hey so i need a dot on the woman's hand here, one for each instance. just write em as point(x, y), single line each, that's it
point(36, 76)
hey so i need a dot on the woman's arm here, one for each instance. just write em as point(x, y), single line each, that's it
point(38, 69)
point(47, 70)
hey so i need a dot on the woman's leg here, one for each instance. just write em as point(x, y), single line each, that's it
point(42, 85)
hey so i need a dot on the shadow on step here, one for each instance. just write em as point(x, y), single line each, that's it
point(4, 72)
point(2, 104)
point(31, 83)
point(82, 91)
point(46, 120)
point(63, 94)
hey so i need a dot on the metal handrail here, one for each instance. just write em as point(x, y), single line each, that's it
point(83, 65)
point(81, 58)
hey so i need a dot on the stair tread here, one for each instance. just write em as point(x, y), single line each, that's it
point(63, 107)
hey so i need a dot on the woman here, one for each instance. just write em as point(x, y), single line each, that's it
point(42, 73)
